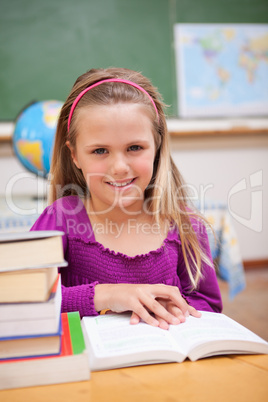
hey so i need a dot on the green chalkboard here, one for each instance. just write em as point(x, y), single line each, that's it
point(46, 44)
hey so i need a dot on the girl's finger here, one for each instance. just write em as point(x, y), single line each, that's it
point(140, 312)
point(173, 309)
point(162, 323)
point(158, 310)
point(176, 311)
point(171, 293)
point(194, 312)
point(134, 319)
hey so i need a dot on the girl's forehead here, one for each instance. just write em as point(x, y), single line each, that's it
point(124, 122)
point(125, 113)
point(126, 107)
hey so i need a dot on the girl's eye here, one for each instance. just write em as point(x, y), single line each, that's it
point(135, 148)
point(100, 151)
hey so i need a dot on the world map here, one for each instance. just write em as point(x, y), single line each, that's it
point(222, 69)
point(31, 151)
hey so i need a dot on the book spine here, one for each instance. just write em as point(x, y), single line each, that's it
point(76, 334)
point(66, 343)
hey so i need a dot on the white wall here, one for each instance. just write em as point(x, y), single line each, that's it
point(237, 175)
point(14, 176)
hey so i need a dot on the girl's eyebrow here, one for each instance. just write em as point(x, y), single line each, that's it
point(96, 146)
point(138, 141)
point(135, 141)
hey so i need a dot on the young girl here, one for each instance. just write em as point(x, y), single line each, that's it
point(131, 241)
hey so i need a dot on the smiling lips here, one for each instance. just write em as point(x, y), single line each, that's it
point(120, 184)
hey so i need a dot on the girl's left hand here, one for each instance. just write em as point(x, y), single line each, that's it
point(171, 308)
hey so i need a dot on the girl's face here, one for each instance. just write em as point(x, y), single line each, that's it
point(115, 150)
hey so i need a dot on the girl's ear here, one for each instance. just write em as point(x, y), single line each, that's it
point(72, 150)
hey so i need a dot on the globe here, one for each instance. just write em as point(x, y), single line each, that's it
point(34, 133)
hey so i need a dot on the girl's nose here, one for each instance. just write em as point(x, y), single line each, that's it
point(119, 165)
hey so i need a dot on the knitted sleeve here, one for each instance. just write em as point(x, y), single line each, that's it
point(74, 298)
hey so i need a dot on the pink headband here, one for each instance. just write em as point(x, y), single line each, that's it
point(101, 82)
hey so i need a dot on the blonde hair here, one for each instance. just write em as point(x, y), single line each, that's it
point(166, 197)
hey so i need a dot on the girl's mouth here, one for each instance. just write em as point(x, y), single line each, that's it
point(120, 184)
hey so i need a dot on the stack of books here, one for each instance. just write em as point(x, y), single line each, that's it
point(38, 344)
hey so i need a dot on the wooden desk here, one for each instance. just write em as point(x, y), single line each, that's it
point(221, 379)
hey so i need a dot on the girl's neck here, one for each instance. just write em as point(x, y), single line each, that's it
point(116, 214)
point(126, 232)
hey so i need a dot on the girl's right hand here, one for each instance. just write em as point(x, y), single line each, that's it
point(142, 300)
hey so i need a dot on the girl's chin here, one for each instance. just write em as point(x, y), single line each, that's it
point(131, 203)
point(133, 208)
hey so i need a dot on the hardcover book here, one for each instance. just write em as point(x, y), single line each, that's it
point(69, 366)
point(36, 249)
point(18, 319)
point(31, 346)
point(27, 285)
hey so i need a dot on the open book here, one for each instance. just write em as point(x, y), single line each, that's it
point(112, 342)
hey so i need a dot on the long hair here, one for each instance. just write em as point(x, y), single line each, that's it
point(166, 196)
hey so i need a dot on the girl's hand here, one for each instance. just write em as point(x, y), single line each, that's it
point(157, 305)
point(174, 310)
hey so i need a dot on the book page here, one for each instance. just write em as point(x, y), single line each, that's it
point(25, 236)
point(113, 342)
point(213, 328)
point(114, 335)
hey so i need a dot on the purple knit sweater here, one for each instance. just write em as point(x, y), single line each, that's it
point(90, 263)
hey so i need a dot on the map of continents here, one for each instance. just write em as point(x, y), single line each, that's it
point(222, 69)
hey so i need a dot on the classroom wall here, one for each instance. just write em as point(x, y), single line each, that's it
point(215, 172)
point(45, 45)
